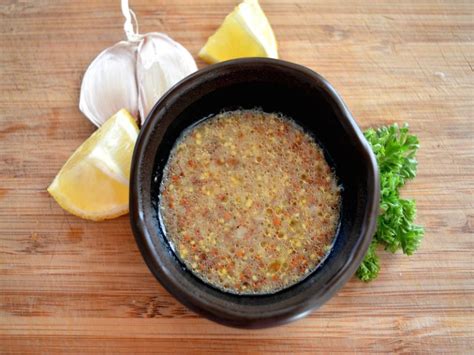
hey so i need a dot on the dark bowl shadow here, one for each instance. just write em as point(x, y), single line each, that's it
point(274, 86)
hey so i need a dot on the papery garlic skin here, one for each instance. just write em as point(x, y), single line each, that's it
point(161, 63)
point(110, 83)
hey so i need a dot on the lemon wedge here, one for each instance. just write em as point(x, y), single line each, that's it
point(245, 32)
point(93, 184)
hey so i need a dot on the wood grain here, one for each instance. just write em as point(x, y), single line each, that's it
point(68, 285)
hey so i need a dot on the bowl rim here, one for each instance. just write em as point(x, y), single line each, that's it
point(147, 247)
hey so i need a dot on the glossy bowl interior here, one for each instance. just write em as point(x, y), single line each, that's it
point(274, 86)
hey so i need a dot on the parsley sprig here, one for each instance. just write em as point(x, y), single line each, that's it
point(395, 150)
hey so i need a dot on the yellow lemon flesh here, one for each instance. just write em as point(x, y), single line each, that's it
point(245, 32)
point(93, 184)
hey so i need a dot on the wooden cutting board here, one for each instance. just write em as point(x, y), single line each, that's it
point(76, 286)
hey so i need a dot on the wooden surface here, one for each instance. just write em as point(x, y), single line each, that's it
point(78, 286)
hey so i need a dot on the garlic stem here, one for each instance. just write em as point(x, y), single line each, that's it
point(132, 34)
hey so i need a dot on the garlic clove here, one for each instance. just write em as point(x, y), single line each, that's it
point(110, 83)
point(161, 63)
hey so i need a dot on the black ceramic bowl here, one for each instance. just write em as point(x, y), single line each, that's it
point(274, 86)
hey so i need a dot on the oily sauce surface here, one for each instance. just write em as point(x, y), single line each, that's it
point(248, 201)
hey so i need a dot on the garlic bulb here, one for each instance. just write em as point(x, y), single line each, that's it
point(133, 74)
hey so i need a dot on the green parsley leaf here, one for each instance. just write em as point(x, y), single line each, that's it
point(395, 150)
point(370, 267)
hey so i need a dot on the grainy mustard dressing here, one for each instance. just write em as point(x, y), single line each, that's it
point(249, 202)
